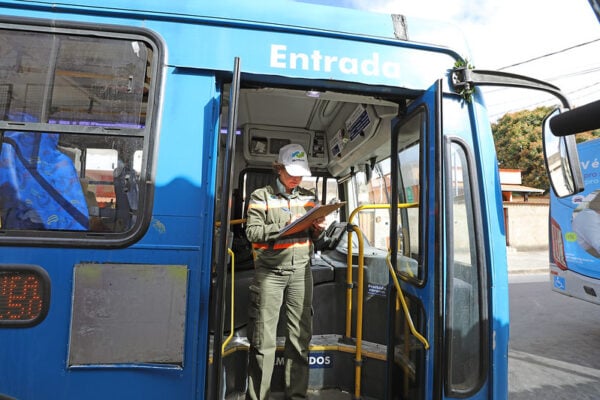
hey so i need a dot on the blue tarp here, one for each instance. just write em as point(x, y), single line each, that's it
point(39, 185)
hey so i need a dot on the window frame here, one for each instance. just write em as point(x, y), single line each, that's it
point(148, 133)
point(478, 257)
point(417, 236)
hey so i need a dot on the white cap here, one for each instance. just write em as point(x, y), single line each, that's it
point(293, 157)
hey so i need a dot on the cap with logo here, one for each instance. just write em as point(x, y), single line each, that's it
point(293, 157)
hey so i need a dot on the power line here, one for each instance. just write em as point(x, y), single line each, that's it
point(550, 54)
point(545, 100)
point(574, 74)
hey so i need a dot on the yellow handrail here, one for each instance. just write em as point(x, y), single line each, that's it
point(226, 342)
point(349, 285)
point(378, 207)
point(238, 221)
point(349, 257)
point(392, 272)
point(404, 305)
point(400, 293)
point(359, 308)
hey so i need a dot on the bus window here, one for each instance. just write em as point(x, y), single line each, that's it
point(326, 192)
point(373, 189)
point(465, 364)
point(92, 189)
point(409, 264)
point(95, 81)
point(81, 105)
point(409, 156)
point(111, 187)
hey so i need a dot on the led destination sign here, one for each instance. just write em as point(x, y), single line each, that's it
point(24, 295)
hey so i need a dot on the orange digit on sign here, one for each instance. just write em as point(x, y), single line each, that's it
point(19, 297)
point(24, 296)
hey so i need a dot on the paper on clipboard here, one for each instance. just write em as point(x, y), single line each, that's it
point(304, 222)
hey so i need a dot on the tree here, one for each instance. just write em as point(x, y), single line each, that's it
point(518, 140)
point(585, 136)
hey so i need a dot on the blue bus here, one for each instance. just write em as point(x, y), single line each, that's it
point(132, 134)
point(575, 232)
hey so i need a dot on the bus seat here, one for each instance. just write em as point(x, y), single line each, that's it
point(126, 193)
point(241, 246)
point(250, 181)
point(321, 270)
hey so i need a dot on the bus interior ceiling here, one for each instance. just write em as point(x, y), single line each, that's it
point(339, 130)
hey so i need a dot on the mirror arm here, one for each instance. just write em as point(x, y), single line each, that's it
point(469, 78)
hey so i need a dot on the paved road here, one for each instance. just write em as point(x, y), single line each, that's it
point(554, 348)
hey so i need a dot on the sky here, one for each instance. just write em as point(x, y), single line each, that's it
point(557, 41)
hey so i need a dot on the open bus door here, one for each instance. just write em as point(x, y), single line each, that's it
point(409, 144)
point(214, 386)
point(440, 257)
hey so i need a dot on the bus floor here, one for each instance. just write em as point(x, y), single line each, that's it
point(323, 394)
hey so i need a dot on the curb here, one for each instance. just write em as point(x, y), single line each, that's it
point(522, 271)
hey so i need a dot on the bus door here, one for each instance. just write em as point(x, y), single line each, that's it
point(222, 249)
point(437, 256)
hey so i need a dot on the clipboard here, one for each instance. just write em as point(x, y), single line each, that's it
point(304, 222)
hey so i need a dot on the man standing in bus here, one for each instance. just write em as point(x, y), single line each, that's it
point(282, 276)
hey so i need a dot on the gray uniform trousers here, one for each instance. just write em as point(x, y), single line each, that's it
point(272, 287)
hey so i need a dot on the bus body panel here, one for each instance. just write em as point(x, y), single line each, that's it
point(40, 361)
point(179, 234)
point(574, 256)
point(460, 123)
point(327, 55)
point(303, 56)
point(495, 242)
point(271, 12)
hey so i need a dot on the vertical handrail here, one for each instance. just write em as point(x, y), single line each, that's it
point(215, 386)
point(349, 283)
point(400, 295)
point(226, 342)
point(359, 312)
point(349, 286)
point(360, 289)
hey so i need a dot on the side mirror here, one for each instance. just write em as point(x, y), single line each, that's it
point(562, 160)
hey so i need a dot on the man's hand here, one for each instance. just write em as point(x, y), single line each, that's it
point(319, 224)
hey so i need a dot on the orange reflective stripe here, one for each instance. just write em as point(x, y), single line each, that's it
point(287, 244)
point(260, 206)
point(283, 244)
